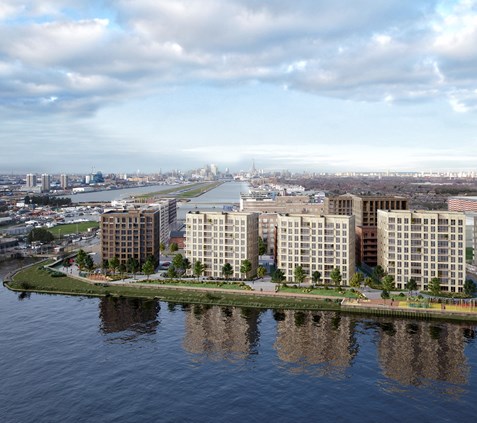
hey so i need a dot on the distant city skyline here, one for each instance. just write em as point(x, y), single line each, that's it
point(305, 85)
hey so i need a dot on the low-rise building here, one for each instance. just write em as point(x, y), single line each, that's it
point(316, 243)
point(215, 239)
point(423, 245)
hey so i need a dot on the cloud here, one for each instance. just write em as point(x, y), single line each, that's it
point(89, 56)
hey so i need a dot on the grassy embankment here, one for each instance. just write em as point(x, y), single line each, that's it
point(72, 228)
point(181, 191)
point(39, 279)
point(345, 293)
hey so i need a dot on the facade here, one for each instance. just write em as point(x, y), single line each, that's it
point(423, 245)
point(64, 181)
point(320, 243)
point(365, 208)
point(464, 204)
point(130, 233)
point(269, 207)
point(31, 180)
point(339, 204)
point(475, 241)
point(45, 182)
point(218, 238)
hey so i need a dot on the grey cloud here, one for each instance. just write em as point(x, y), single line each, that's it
point(373, 51)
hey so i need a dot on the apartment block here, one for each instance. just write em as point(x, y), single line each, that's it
point(31, 180)
point(45, 182)
point(269, 207)
point(423, 245)
point(64, 181)
point(218, 238)
point(364, 208)
point(130, 233)
point(316, 243)
point(465, 204)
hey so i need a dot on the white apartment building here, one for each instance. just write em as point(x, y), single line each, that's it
point(319, 243)
point(423, 245)
point(218, 238)
point(31, 180)
point(64, 181)
point(45, 182)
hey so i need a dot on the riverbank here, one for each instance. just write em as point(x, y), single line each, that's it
point(37, 278)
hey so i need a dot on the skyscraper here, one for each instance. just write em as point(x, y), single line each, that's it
point(45, 182)
point(31, 180)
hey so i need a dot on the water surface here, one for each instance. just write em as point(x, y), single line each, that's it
point(75, 359)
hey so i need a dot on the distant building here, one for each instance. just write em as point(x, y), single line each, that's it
point(364, 208)
point(462, 204)
point(64, 181)
point(423, 245)
point(215, 239)
point(130, 233)
point(45, 182)
point(320, 243)
point(269, 207)
point(31, 180)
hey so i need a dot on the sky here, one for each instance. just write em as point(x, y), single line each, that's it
point(303, 85)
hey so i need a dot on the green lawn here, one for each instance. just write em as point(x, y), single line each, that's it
point(320, 291)
point(38, 279)
point(72, 228)
point(192, 284)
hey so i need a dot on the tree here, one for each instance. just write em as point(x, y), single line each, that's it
point(278, 276)
point(89, 263)
point(316, 277)
point(227, 270)
point(388, 283)
point(378, 273)
point(199, 269)
point(411, 285)
point(299, 274)
point(113, 263)
point(148, 268)
point(368, 281)
point(40, 235)
point(261, 272)
point(385, 294)
point(262, 247)
point(132, 265)
point(66, 263)
point(469, 287)
point(356, 280)
point(186, 264)
point(80, 259)
point(245, 267)
point(435, 286)
point(335, 276)
point(173, 247)
point(171, 272)
point(178, 263)
point(122, 270)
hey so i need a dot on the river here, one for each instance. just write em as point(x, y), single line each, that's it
point(78, 359)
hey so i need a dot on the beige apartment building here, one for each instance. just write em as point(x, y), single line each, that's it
point(269, 208)
point(423, 245)
point(364, 208)
point(218, 238)
point(130, 233)
point(316, 243)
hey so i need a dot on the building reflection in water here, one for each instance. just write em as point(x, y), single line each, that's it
point(221, 333)
point(318, 343)
point(417, 353)
point(132, 315)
